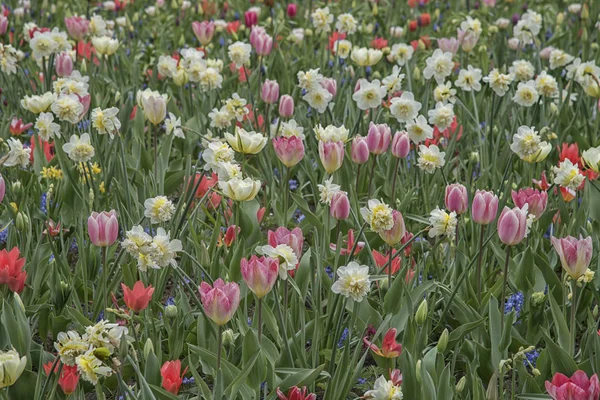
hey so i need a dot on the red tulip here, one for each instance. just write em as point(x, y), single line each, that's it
point(69, 376)
point(137, 299)
point(577, 387)
point(17, 126)
point(389, 348)
point(295, 393)
point(171, 376)
point(11, 270)
point(349, 245)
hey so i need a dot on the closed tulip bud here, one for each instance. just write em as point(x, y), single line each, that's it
point(63, 64)
point(340, 206)
point(77, 27)
point(396, 233)
point(512, 225)
point(575, 254)
point(460, 386)
point(330, 85)
point(260, 274)
point(289, 150)
point(220, 301)
point(16, 187)
point(155, 109)
point(204, 31)
point(538, 298)
point(400, 144)
point(103, 228)
point(421, 315)
point(263, 44)
point(292, 9)
point(12, 366)
point(148, 348)
point(378, 138)
point(360, 150)
point(595, 311)
point(3, 24)
point(560, 18)
point(416, 73)
point(457, 199)
point(2, 188)
point(418, 371)
point(443, 341)
point(22, 222)
point(485, 207)
point(286, 106)
point(250, 18)
point(270, 91)
point(536, 200)
point(331, 155)
point(228, 337)
point(171, 311)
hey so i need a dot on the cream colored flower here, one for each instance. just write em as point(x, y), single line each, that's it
point(239, 53)
point(342, 48)
point(17, 155)
point(46, 127)
point(38, 104)
point(442, 223)
point(310, 80)
point(559, 58)
point(67, 107)
point(90, 367)
point(366, 57)
point(378, 215)
point(11, 367)
point(419, 130)
point(499, 82)
point(439, 66)
point(240, 189)
point(105, 45)
point(384, 390)
point(155, 108)
point(528, 145)
point(246, 142)
point(318, 99)
point(353, 281)
point(322, 19)
point(526, 94)
point(546, 85)
point(444, 93)
point(159, 209)
point(332, 133)
point(79, 149)
point(522, 70)
point(327, 190)
point(370, 94)
point(284, 254)
point(441, 116)
point(405, 108)
point(469, 79)
point(106, 121)
point(346, 23)
point(217, 152)
point(430, 158)
point(173, 126)
point(70, 345)
point(401, 54)
point(591, 158)
point(568, 175)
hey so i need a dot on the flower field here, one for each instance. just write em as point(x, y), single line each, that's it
point(328, 199)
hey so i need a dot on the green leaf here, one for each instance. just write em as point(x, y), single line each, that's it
point(560, 324)
point(301, 378)
point(561, 360)
point(303, 205)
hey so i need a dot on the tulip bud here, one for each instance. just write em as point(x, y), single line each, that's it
point(538, 298)
point(400, 145)
point(512, 225)
point(171, 311)
point(289, 150)
point(292, 9)
point(460, 386)
point(378, 138)
point(418, 371)
point(331, 155)
point(421, 315)
point(103, 228)
point(228, 337)
point(396, 233)
point(148, 348)
point(457, 199)
point(2, 188)
point(595, 311)
point(485, 207)
point(270, 91)
point(22, 222)
point(416, 74)
point(340, 206)
point(63, 64)
point(536, 372)
point(360, 150)
point(16, 187)
point(102, 353)
point(330, 85)
point(19, 301)
point(286, 106)
point(204, 31)
point(443, 341)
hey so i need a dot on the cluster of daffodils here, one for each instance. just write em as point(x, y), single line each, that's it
point(9, 58)
point(192, 67)
point(152, 252)
point(92, 351)
point(233, 109)
point(353, 281)
point(46, 43)
point(318, 91)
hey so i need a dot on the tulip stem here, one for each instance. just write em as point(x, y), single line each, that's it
point(505, 278)
point(285, 303)
point(573, 314)
point(259, 311)
point(372, 172)
point(390, 267)
point(155, 128)
point(395, 175)
point(479, 259)
point(105, 275)
point(219, 347)
point(357, 180)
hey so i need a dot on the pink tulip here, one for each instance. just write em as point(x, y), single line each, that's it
point(512, 225)
point(360, 150)
point(255, 33)
point(63, 64)
point(289, 150)
point(77, 27)
point(292, 9)
point(457, 199)
point(331, 155)
point(485, 207)
point(330, 85)
point(286, 106)
point(2, 188)
point(85, 102)
point(270, 91)
point(448, 45)
point(103, 228)
point(282, 235)
point(220, 301)
point(400, 144)
point(575, 255)
point(340, 206)
point(260, 274)
point(396, 233)
point(545, 52)
point(577, 387)
point(204, 31)
point(378, 138)
point(250, 19)
point(263, 44)
point(3, 24)
point(536, 200)
point(489, 3)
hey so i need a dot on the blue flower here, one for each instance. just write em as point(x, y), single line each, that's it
point(531, 358)
point(514, 302)
point(293, 184)
point(343, 338)
point(329, 271)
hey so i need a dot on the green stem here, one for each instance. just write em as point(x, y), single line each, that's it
point(105, 275)
point(479, 259)
point(372, 172)
point(505, 283)
point(219, 347)
point(573, 315)
point(259, 306)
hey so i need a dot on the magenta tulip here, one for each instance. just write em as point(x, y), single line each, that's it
point(457, 199)
point(292, 9)
point(360, 150)
point(220, 301)
point(340, 206)
point(331, 155)
point(575, 254)
point(535, 199)
point(378, 138)
point(289, 150)
point(103, 228)
point(512, 225)
point(77, 27)
point(577, 387)
point(250, 18)
point(485, 207)
point(396, 233)
point(282, 235)
point(204, 31)
point(286, 106)
point(63, 64)
point(400, 144)
point(270, 91)
point(260, 274)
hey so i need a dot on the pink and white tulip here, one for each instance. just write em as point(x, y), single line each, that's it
point(378, 138)
point(220, 300)
point(457, 198)
point(289, 150)
point(575, 254)
point(331, 155)
point(535, 199)
point(512, 225)
point(260, 274)
point(103, 228)
point(485, 207)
